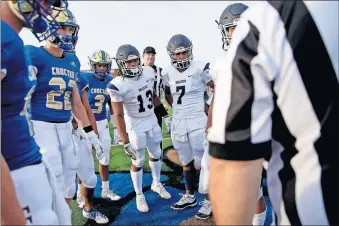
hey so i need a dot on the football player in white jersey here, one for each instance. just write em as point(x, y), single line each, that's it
point(132, 95)
point(227, 23)
point(116, 136)
point(185, 82)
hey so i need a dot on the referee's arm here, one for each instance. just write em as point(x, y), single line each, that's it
point(240, 136)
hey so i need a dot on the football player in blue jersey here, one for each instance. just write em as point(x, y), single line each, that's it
point(87, 179)
point(18, 79)
point(85, 171)
point(98, 98)
point(54, 101)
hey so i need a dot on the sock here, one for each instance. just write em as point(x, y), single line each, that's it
point(273, 218)
point(206, 197)
point(113, 121)
point(87, 211)
point(190, 179)
point(79, 191)
point(156, 169)
point(191, 196)
point(259, 219)
point(105, 185)
point(168, 123)
point(137, 181)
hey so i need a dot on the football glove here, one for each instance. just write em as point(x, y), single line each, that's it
point(129, 151)
point(98, 146)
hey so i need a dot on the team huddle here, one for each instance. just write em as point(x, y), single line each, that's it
point(59, 115)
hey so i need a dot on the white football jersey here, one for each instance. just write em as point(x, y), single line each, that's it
point(137, 96)
point(187, 89)
point(215, 71)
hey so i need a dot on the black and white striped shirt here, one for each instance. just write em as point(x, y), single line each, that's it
point(277, 98)
point(158, 87)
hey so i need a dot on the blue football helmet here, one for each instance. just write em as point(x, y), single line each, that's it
point(65, 42)
point(100, 57)
point(37, 16)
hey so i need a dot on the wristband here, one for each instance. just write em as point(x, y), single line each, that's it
point(88, 129)
point(160, 110)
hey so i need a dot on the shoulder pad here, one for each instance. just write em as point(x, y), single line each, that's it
point(31, 50)
point(200, 65)
point(116, 82)
point(207, 67)
point(34, 53)
point(147, 69)
point(112, 86)
point(148, 72)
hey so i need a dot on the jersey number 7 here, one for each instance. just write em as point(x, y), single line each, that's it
point(182, 88)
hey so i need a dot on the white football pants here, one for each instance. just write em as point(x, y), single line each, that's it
point(187, 138)
point(151, 139)
point(105, 138)
point(39, 196)
point(86, 167)
point(60, 154)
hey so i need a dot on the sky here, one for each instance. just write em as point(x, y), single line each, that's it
point(107, 25)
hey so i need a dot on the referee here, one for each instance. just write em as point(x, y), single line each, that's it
point(279, 103)
point(160, 111)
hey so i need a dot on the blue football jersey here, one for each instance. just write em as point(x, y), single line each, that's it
point(51, 101)
point(17, 143)
point(97, 95)
point(82, 84)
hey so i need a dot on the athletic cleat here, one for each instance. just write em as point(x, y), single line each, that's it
point(185, 202)
point(160, 189)
point(110, 195)
point(141, 203)
point(95, 215)
point(205, 211)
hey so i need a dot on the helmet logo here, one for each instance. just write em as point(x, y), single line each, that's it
point(132, 57)
point(180, 49)
point(236, 21)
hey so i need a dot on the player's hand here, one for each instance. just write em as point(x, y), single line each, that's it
point(129, 151)
point(78, 132)
point(98, 146)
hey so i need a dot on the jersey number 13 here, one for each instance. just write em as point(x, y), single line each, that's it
point(149, 95)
